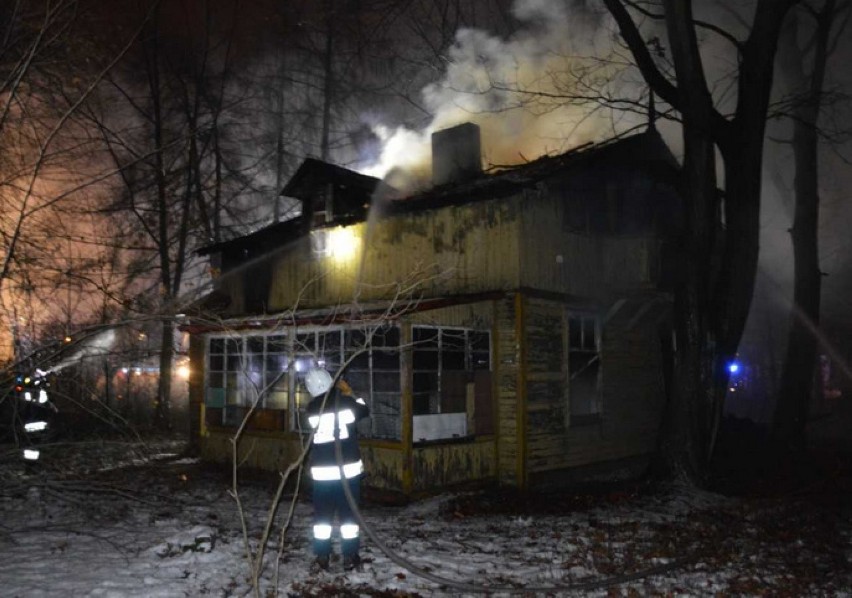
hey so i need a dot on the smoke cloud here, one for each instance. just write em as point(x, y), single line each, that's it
point(518, 90)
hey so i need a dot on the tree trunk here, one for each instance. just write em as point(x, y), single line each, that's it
point(793, 405)
point(687, 450)
point(164, 386)
point(716, 286)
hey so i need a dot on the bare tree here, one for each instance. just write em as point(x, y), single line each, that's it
point(805, 69)
point(168, 138)
point(721, 242)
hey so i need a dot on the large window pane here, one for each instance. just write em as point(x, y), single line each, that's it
point(386, 382)
point(254, 344)
point(385, 360)
point(386, 337)
point(425, 360)
point(444, 361)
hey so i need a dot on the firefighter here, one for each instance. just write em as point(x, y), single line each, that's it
point(333, 417)
point(36, 413)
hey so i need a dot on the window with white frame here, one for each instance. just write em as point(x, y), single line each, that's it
point(242, 370)
point(240, 367)
point(584, 331)
point(451, 383)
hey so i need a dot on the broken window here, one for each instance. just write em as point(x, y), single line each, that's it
point(584, 332)
point(451, 385)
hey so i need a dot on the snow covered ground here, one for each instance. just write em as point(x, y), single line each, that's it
point(113, 519)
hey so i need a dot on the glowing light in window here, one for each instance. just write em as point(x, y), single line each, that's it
point(183, 372)
point(340, 244)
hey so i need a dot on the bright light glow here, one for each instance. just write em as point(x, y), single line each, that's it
point(31, 454)
point(341, 243)
point(183, 372)
point(35, 426)
point(42, 396)
point(124, 370)
point(28, 396)
point(733, 367)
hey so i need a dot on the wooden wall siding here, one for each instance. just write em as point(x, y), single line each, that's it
point(546, 381)
point(384, 467)
point(271, 452)
point(579, 264)
point(442, 465)
point(479, 315)
point(632, 396)
point(459, 249)
point(506, 364)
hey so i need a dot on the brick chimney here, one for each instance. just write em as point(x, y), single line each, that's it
point(456, 154)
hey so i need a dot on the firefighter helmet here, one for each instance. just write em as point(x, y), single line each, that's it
point(318, 381)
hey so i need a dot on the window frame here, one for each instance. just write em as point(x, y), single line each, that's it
point(584, 346)
point(305, 347)
point(469, 369)
point(242, 374)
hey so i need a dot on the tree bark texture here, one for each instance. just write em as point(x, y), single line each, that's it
point(716, 286)
point(794, 400)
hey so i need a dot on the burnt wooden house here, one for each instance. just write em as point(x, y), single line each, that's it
point(506, 327)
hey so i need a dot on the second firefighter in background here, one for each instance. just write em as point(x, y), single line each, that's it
point(333, 417)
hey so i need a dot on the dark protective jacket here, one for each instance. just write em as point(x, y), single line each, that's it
point(338, 419)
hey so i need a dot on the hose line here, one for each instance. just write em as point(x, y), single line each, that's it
point(481, 587)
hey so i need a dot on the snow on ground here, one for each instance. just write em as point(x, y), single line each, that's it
point(117, 520)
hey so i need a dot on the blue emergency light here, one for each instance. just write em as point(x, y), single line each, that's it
point(733, 367)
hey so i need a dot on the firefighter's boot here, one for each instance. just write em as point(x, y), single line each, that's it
point(320, 564)
point(352, 562)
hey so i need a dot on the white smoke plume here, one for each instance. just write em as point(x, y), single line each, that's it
point(515, 89)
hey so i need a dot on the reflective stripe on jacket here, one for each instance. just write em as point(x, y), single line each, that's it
point(337, 418)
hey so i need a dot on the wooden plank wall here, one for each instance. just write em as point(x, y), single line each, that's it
point(448, 464)
point(507, 361)
point(580, 264)
point(546, 382)
point(268, 451)
point(632, 391)
point(450, 251)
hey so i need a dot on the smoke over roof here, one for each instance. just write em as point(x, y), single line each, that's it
point(516, 89)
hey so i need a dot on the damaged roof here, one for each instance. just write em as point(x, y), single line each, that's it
point(645, 150)
point(313, 175)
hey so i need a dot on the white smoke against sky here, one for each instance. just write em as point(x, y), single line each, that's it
point(482, 81)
